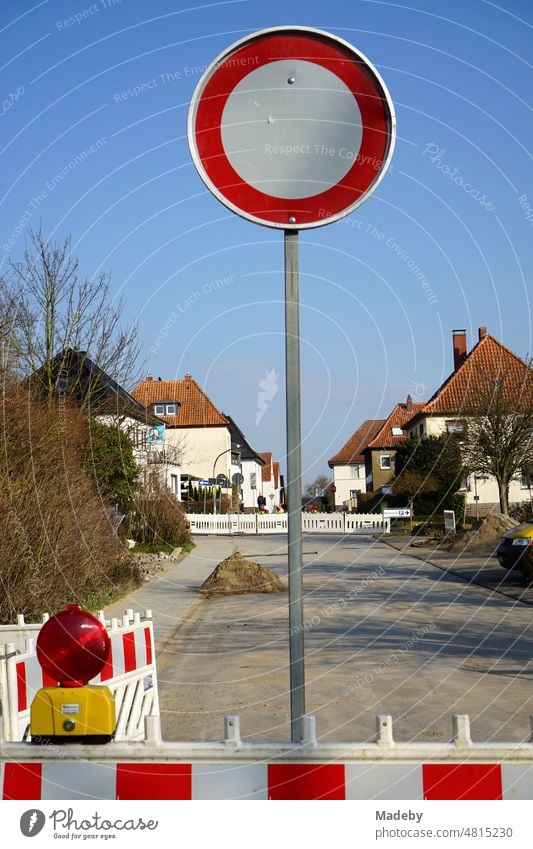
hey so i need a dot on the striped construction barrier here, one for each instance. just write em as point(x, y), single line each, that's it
point(384, 769)
point(276, 781)
point(129, 672)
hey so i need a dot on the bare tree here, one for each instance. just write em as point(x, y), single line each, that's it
point(63, 322)
point(498, 436)
point(320, 482)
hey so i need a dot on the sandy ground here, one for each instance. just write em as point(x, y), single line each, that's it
point(385, 633)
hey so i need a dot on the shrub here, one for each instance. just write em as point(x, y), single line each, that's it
point(157, 516)
point(521, 512)
point(57, 543)
point(110, 459)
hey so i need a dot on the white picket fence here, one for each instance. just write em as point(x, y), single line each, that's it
point(130, 674)
point(277, 523)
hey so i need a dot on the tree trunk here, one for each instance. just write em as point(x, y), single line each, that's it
point(504, 497)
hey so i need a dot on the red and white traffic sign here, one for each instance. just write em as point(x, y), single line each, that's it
point(291, 128)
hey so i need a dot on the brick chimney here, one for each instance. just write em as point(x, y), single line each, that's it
point(409, 403)
point(149, 377)
point(482, 332)
point(459, 347)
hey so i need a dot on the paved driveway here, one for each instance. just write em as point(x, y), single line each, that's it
point(385, 633)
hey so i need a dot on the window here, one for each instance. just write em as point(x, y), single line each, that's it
point(397, 431)
point(174, 484)
point(453, 426)
point(159, 409)
point(171, 409)
point(355, 471)
point(421, 429)
point(526, 482)
point(385, 461)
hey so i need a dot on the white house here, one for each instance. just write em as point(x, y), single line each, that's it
point(445, 411)
point(273, 491)
point(195, 431)
point(348, 464)
point(251, 467)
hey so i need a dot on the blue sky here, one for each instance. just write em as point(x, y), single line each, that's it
point(206, 286)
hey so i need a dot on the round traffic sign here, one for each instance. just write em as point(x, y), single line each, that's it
point(222, 481)
point(72, 647)
point(291, 128)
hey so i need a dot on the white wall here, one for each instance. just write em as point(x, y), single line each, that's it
point(249, 495)
point(346, 479)
point(487, 490)
point(201, 445)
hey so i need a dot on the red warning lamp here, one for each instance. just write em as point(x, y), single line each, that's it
point(73, 647)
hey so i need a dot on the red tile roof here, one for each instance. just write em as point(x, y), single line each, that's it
point(195, 410)
point(275, 467)
point(266, 471)
point(487, 359)
point(352, 451)
point(402, 413)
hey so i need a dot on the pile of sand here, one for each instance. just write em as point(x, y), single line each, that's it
point(236, 576)
point(484, 536)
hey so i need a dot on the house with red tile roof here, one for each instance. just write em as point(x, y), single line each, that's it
point(271, 481)
point(447, 409)
point(380, 452)
point(194, 426)
point(348, 464)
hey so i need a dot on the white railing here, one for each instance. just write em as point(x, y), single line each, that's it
point(277, 523)
point(130, 674)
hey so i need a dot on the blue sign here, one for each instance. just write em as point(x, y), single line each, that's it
point(156, 433)
point(204, 483)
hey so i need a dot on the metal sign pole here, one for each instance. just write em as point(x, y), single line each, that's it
point(294, 484)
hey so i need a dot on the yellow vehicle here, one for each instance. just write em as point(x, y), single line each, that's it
point(515, 546)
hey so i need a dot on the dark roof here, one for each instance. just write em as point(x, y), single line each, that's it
point(238, 438)
point(352, 451)
point(93, 386)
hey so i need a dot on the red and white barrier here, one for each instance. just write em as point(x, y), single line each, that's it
point(384, 769)
point(276, 781)
point(130, 673)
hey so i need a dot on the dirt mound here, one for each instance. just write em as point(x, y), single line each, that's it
point(485, 536)
point(236, 576)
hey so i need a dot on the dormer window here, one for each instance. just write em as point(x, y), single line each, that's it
point(167, 409)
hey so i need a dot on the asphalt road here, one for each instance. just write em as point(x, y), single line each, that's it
point(385, 632)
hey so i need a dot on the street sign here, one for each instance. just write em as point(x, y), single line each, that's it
point(221, 480)
point(449, 521)
point(237, 479)
point(397, 513)
point(204, 483)
point(291, 127)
